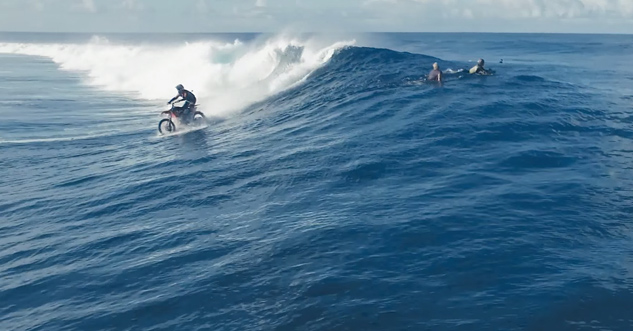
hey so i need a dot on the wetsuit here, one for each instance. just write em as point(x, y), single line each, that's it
point(435, 75)
point(478, 70)
point(190, 101)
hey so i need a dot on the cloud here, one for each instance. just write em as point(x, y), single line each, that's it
point(587, 16)
point(202, 6)
point(90, 5)
point(513, 9)
point(86, 5)
point(132, 5)
point(38, 5)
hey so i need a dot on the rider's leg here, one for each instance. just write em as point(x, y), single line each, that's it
point(189, 111)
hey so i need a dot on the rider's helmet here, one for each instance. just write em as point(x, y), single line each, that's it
point(179, 87)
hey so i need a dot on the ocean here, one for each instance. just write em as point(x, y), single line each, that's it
point(333, 187)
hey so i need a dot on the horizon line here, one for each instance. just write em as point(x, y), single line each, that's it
point(316, 32)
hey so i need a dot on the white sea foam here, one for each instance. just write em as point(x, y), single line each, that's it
point(224, 76)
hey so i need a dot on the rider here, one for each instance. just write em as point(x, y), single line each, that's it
point(190, 100)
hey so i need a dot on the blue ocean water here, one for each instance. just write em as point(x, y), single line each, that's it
point(333, 189)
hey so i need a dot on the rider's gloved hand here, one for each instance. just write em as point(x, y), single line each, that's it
point(168, 102)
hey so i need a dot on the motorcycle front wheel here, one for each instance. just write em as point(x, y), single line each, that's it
point(166, 126)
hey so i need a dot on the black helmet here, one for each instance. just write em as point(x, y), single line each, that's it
point(179, 87)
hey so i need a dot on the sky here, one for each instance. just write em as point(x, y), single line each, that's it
point(93, 16)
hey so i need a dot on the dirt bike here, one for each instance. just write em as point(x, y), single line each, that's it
point(184, 117)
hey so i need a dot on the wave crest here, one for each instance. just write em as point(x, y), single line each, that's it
point(224, 76)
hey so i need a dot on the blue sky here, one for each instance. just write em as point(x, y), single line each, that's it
point(592, 16)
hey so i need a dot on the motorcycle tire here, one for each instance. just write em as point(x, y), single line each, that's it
point(166, 126)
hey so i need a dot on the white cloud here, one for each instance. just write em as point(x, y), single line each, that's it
point(512, 9)
point(132, 5)
point(599, 16)
point(202, 6)
point(37, 5)
point(87, 5)
point(90, 5)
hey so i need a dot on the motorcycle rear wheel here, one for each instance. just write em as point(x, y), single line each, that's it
point(199, 119)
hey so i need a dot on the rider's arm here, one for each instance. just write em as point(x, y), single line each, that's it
point(174, 98)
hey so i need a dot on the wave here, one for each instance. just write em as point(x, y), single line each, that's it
point(224, 76)
point(54, 139)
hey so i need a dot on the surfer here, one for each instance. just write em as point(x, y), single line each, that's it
point(479, 68)
point(435, 74)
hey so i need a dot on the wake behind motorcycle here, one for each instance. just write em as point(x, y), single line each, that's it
point(185, 118)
